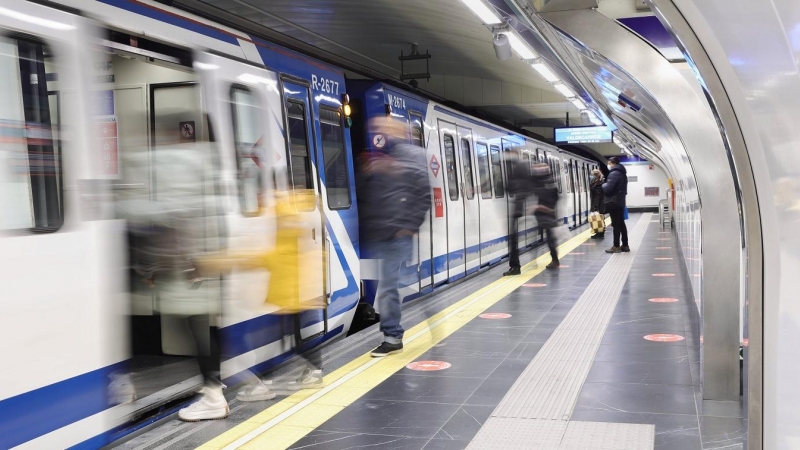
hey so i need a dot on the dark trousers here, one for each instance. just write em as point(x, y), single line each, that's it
point(618, 222)
point(206, 338)
point(550, 237)
point(513, 244)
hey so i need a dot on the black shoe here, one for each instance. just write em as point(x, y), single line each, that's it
point(598, 236)
point(553, 264)
point(386, 349)
point(512, 271)
point(614, 249)
point(624, 249)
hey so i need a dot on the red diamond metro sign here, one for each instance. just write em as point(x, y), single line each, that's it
point(434, 165)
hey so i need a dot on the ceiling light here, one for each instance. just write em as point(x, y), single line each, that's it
point(595, 120)
point(483, 12)
point(544, 71)
point(519, 46)
point(578, 103)
point(35, 20)
point(205, 66)
point(564, 89)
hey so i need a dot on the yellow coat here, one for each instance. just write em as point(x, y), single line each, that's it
point(286, 262)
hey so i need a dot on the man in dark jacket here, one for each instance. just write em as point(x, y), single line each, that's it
point(615, 189)
point(397, 197)
point(520, 186)
point(545, 211)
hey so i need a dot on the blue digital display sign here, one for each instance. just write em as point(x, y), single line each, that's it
point(584, 135)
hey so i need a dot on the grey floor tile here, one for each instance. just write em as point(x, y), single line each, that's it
point(446, 444)
point(468, 346)
point(461, 366)
point(641, 352)
point(390, 418)
point(673, 432)
point(638, 398)
point(640, 372)
point(720, 409)
point(432, 389)
point(328, 440)
point(465, 423)
point(722, 433)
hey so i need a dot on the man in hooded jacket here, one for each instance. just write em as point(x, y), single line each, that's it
point(615, 189)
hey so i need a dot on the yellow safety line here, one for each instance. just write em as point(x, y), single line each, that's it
point(292, 418)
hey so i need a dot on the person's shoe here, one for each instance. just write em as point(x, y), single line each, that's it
point(211, 406)
point(614, 249)
point(598, 236)
point(553, 265)
point(310, 379)
point(513, 271)
point(386, 349)
point(256, 392)
point(121, 389)
point(625, 249)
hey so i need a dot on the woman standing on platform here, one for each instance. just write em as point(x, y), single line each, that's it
point(597, 197)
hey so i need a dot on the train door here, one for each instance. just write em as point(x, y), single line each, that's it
point(521, 226)
point(470, 201)
point(303, 180)
point(456, 256)
point(425, 235)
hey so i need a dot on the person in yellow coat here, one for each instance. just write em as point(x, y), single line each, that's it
point(286, 263)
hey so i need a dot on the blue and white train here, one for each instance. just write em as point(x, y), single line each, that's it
point(89, 86)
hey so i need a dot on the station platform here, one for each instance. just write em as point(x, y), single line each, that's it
point(601, 354)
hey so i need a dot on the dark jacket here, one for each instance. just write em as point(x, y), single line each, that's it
point(547, 197)
point(616, 187)
point(391, 202)
point(520, 184)
point(597, 196)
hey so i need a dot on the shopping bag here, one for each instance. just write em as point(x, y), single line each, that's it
point(597, 221)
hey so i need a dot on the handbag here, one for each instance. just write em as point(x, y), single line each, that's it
point(597, 221)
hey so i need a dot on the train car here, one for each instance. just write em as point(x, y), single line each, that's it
point(87, 115)
point(468, 226)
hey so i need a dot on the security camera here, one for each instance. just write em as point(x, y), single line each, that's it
point(502, 48)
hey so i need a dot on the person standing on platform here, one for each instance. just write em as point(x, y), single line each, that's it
point(545, 211)
point(397, 197)
point(597, 203)
point(615, 189)
point(520, 186)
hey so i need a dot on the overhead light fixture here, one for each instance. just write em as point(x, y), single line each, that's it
point(578, 103)
point(596, 120)
point(519, 46)
point(502, 48)
point(564, 89)
point(483, 12)
point(204, 66)
point(544, 71)
point(35, 20)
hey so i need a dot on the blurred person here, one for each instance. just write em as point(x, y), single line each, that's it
point(615, 189)
point(397, 196)
point(173, 230)
point(520, 186)
point(597, 197)
point(545, 211)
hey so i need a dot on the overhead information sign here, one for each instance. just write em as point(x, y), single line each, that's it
point(584, 135)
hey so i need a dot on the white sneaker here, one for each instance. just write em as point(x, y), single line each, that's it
point(311, 379)
point(211, 406)
point(121, 389)
point(255, 392)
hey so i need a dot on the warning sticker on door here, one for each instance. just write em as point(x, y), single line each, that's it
point(438, 202)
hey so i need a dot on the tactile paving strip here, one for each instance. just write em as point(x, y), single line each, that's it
point(548, 389)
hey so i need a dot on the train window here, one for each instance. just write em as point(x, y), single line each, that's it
point(557, 166)
point(30, 161)
point(466, 160)
point(483, 170)
point(250, 155)
point(337, 183)
point(497, 173)
point(299, 156)
point(417, 130)
point(450, 163)
point(568, 175)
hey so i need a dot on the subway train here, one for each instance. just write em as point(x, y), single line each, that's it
point(91, 91)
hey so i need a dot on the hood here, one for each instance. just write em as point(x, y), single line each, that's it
point(620, 168)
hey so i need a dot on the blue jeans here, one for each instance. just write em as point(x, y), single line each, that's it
point(393, 254)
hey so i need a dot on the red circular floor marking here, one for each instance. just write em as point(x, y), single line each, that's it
point(663, 259)
point(428, 366)
point(663, 274)
point(663, 300)
point(576, 253)
point(663, 248)
point(745, 342)
point(534, 285)
point(664, 337)
point(562, 266)
point(589, 243)
point(494, 316)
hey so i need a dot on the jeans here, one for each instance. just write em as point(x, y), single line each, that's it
point(550, 236)
point(393, 254)
point(312, 356)
point(617, 214)
point(513, 244)
point(208, 356)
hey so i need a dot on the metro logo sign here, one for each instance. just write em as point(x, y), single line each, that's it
point(434, 165)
